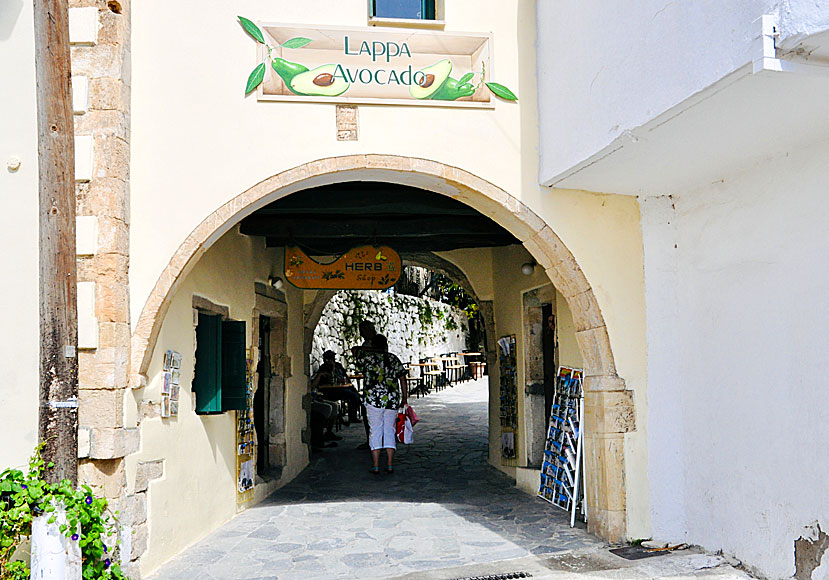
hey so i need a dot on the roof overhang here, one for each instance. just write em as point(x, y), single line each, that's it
point(760, 110)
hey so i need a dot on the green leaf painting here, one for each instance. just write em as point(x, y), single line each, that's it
point(252, 29)
point(297, 42)
point(466, 78)
point(256, 77)
point(502, 91)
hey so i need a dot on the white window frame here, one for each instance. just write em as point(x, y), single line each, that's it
point(438, 23)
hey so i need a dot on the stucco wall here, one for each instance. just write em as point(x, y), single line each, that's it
point(198, 489)
point(508, 307)
point(739, 410)
point(624, 64)
point(19, 308)
point(569, 354)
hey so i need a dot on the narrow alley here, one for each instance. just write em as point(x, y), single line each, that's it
point(443, 507)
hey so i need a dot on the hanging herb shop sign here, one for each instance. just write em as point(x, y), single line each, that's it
point(363, 268)
point(370, 66)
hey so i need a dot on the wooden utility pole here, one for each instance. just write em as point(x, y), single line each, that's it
point(58, 419)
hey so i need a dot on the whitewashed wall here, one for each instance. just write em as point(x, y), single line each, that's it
point(605, 68)
point(395, 316)
point(737, 425)
point(18, 236)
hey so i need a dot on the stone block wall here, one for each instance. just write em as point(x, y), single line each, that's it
point(415, 327)
point(100, 45)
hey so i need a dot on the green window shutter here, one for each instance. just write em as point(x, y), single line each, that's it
point(234, 366)
point(208, 372)
point(427, 8)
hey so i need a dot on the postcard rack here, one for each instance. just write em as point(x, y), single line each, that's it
point(562, 469)
point(509, 399)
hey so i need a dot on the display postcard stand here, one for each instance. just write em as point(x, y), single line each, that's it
point(170, 386)
point(245, 446)
point(562, 480)
point(509, 399)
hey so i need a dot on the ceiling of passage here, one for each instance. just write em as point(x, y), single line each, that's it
point(335, 218)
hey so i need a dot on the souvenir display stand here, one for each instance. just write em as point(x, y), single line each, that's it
point(170, 386)
point(509, 399)
point(245, 446)
point(562, 480)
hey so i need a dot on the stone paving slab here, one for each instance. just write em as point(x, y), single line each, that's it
point(443, 508)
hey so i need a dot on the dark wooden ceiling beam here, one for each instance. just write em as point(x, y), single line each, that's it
point(262, 225)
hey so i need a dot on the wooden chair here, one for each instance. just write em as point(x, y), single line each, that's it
point(456, 367)
point(415, 382)
point(433, 373)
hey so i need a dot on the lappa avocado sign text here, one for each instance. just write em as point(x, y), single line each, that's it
point(389, 66)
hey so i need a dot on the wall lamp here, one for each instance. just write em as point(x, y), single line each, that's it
point(528, 268)
point(276, 282)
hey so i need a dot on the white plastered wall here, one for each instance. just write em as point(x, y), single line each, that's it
point(19, 310)
point(743, 403)
point(613, 67)
point(198, 489)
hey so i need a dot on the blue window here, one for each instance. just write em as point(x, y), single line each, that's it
point(408, 9)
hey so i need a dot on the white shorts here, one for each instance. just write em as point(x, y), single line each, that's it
point(381, 425)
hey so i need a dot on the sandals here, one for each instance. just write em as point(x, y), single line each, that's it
point(376, 470)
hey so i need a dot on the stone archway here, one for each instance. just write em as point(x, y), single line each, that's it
point(609, 407)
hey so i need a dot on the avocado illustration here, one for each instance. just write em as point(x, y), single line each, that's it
point(431, 79)
point(321, 81)
point(287, 70)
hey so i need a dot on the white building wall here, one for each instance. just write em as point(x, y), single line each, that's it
point(736, 423)
point(607, 68)
point(19, 310)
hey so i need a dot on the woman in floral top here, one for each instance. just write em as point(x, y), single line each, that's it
point(385, 392)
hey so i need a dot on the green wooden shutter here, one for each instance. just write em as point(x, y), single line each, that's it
point(427, 9)
point(234, 366)
point(208, 372)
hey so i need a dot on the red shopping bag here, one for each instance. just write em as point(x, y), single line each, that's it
point(400, 426)
point(410, 413)
point(403, 429)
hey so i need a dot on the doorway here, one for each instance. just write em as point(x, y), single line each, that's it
point(261, 398)
point(540, 363)
point(270, 319)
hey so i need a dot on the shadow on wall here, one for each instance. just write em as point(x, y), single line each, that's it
point(9, 13)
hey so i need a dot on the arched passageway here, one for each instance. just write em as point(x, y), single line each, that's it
point(609, 405)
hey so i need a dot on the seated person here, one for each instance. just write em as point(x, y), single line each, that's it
point(323, 415)
point(333, 373)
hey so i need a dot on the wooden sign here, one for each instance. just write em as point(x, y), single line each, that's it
point(363, 268)
point(372, 65)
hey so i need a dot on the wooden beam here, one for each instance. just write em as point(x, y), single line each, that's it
point(336, 246)
point(365, 198)
point(341, 226)
point(58, 416)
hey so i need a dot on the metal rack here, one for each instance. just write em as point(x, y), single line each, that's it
point(562, 480)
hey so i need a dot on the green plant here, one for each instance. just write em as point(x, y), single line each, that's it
point(24, 496)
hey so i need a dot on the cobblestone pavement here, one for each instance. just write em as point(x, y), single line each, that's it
point(444, 513)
